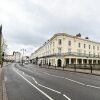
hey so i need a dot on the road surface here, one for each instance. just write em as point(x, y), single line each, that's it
point(29, 82)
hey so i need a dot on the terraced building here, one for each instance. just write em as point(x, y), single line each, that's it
point(63, 49)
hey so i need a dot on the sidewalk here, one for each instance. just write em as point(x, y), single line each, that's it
point(3, 94)
point(86, 71)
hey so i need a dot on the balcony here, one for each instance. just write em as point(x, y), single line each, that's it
point(73, 54)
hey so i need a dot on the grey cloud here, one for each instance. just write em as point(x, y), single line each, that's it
point(33, 21)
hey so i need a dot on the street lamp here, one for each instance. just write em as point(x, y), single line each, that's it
point(23, 51)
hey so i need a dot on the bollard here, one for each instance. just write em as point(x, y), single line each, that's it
point(55, 66)
point(74, 67)
point(91, 68)
point(63, 67)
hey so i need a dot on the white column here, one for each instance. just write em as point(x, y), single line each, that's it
point(70, 61)
point(96, 61)
point(63, 62)
point(87, 61)
point(56, 62)
point(92, 61)
point(76, 60)
point(82, 61)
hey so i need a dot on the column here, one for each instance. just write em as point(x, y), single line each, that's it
point(76, 60)
point(96, 61)
point(63, 62)
point(70, 61)
point(56, 62)
point(82, 61)
point(92, 61)
point(87, 61)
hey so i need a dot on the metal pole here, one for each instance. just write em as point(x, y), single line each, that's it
point(23, 50)
point(1, 45)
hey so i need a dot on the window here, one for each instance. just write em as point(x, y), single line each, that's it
point(79, 51)
point(98, 54)
point(69, 43)
point(93, 47)
point(97, 48)
point(84, 45)
point(94, 54)
point(59, 42)
point(59, 50)
point(79, 45)
point(89, 46)
point(89, 54)
point(84, 52)
point(53, 44)
point(53, 51)
point(69, 50)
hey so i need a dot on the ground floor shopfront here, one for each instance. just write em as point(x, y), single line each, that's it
point(63, 61)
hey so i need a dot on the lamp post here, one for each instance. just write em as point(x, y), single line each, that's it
point(23, 51)
point(1, 45)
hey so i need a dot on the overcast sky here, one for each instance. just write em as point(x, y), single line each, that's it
point(29, 23)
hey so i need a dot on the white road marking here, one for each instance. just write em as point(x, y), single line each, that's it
point(49, 89)
point(53, 75)
point(65, 78)
point(66, 97)
point(34, 80)
point(93, 86)
point(34, 86)
point(45, 86)
point(74, 81)
point(70, 80)
point(5, 78)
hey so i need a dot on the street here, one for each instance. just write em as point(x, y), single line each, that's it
point(29, 82)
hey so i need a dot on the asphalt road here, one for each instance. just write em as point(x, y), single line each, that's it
point(30, 82)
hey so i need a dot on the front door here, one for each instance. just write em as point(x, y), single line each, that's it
point(59, 62)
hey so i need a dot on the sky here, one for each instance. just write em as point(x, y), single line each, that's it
point(29, 23)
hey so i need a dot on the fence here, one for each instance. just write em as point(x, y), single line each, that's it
point(87, 68)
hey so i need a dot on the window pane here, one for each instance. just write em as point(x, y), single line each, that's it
point(59, 41)
point(59, 50)
point(79, 45)
point(69, 43)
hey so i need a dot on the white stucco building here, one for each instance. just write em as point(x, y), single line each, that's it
point(8, 57)
point(63, 49)
point(16, 57)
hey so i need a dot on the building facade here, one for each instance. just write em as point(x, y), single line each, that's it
point(15, 57)
point(63, 49)
point(8, 58)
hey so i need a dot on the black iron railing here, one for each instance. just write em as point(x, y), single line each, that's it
point(73, 54)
